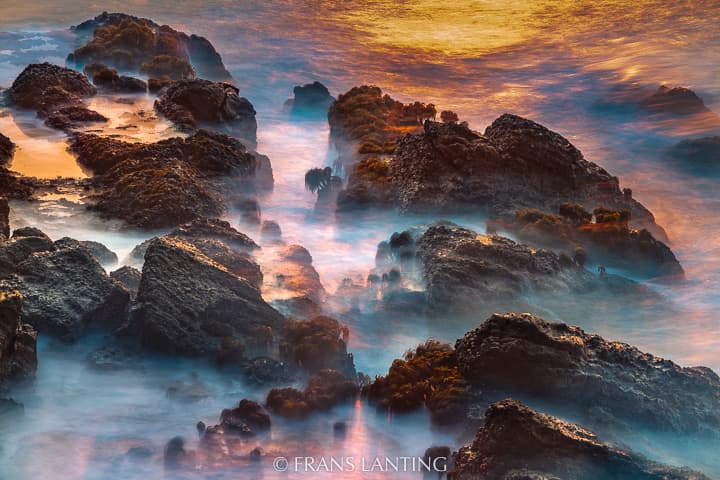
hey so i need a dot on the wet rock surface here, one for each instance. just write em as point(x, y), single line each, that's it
point(517, 442)
point(325, 390)
point(129, 278)
point(188, 303)
point(66, 289)
point(103, 254)
point(247, 419)
point(109, 80)
point(18, 355)
point(602, 382)
point(316, 344)
point(170, 182)
point(139, 44)
point(190, 104)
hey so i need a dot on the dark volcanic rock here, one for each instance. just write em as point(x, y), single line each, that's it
point(129, 278)
point(517, 443)
point(699, 155)
point(325, 390)
point(215, 229)
point(600, 381)
point(139, 44)
point(44, 87)
point(312, 99)
point(13, 186)
point(170, 182)
point(315, 345)
point(187, 303)
point(18, 356)
point(66, 289)
point(56, 93)
point(674, 101)
point(193, 103)
point(7, 149)
point(248, 414)
point(103, 254)
point(5, 219)
point(108, 79)
point(461, 268)
point(605, 236)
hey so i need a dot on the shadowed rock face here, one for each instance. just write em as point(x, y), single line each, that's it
point(7, 149)
point(129, 278)
point(699, 156)
point(192, 103)
point(601, 381)
point(139, 44)
point(66, 290)
point(460, 265)
point(312, 99)
point(517, 443)
point(56, 94)
point(187, 303)
point(109, 80)
point(18, 357)
point(674, 101)
point(609, 240)
point(167, 183)
point(316, 344)
point(516, 164)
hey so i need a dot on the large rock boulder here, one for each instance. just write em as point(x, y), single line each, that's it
point(187, 303)
point(167, 183)
point(312, 100)
point(7, 149)
point(190, 104)
point(518, 443)
point(462, 268)
point(315, 345)
point(517, 164)
point(603, 383)
point(56, 94)
point(139, 44)
point(66, 289)
point(18, 356)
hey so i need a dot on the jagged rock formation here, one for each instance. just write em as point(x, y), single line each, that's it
point(518, 443)
point(18, 356)
point(312, 99)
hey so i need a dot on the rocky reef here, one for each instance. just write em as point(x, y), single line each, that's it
point(141, 45)
point(56, 93)
point(518, 443)
point(190, 104)
point(167, 183)
point(18, 356)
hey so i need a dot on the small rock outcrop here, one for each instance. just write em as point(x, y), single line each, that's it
point(129, 278)
point(109, 80)
point(190, 104)
point(700, 156)
point(18, 355)
point(325, 390)
point(311, 100)
point(316, 344)
point(66, 289)
point(674, 101)
point(187, 303)
point(517, 443)
point(56, 93)
point(139, 44)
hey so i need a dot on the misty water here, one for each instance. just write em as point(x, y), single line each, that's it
point(553, 63)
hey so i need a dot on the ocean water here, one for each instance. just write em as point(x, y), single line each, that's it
point(574, 67)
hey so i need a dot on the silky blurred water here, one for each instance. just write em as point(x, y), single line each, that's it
point(557, 62)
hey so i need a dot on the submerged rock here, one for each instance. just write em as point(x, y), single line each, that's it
point(584, 375)
point(312, 99)
point(66, 289)
point(18, 355)
point(139, 44)
point(190, 104)
point(187, 303)
point(674, 101)
point(109, 80)
point(315, 345)
point(516, 442)
point(270, 232)
point(247, 419)
point(700, 155)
